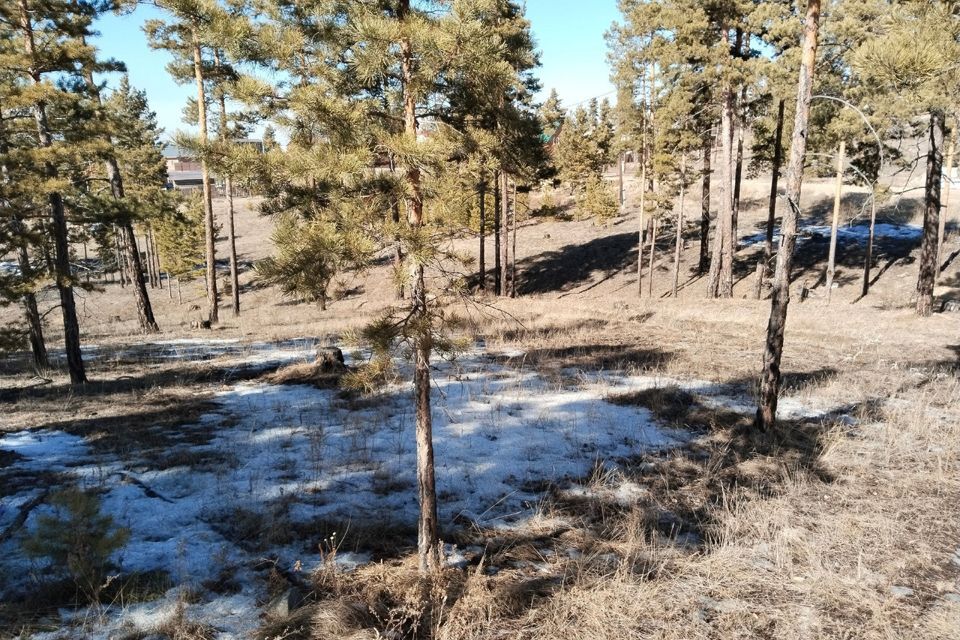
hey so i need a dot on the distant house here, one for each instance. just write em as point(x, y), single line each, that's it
point(184, 171)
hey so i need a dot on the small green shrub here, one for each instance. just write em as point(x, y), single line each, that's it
point(77, 539)
point(599, 201)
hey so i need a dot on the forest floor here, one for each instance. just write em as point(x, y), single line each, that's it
point(597, 474)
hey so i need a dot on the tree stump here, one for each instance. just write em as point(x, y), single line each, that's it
point(330, 360)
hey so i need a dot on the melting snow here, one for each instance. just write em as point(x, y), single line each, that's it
point(855, 233)
point(499, 436)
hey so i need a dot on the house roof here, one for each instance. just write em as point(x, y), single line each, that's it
point(180, 177)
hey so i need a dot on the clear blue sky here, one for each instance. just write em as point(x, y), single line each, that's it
point(569, 35)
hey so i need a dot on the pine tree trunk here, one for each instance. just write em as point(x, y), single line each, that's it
point(121, 261)
point(38, 347)
point(156, 256)
point(513, 249)
point(34, 323)
point(505, 234)
point(58, 222)
point(148, 323)
point(678, 248)
point(228, 193)
point(704, 264)
point(497, 267)
point(398, 246)
point(868, 260)
point(835, 222)
point(148, 256)
point(209, 227)
point(482, 204)
point(770, 377)
point(427, 539)
point(774, 184)
point(738, 177)
point(653, 250)
point(640, 231)
point(942, 230)
point(232, 240)
point(620, 162)
point(931, 216)
point(725, 285)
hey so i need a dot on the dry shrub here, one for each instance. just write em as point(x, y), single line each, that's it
point(309, 373)
point(178, 626)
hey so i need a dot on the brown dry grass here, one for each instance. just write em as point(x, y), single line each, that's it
point(812, 533)
point(798, 536)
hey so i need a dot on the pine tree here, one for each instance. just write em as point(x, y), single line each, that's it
point(16, 236)
point(770, 377)
point(181, 239)
point(187, 36)
point(421, 82)
point(900, 69)
point(42, 42)
point(134, 136)
point(552, 115)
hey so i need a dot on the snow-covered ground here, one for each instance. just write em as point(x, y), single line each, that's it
point(230, 351)
point(293, 455)
point(858, 233)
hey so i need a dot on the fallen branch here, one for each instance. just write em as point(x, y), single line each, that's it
point(23, 514)
point(150, 493)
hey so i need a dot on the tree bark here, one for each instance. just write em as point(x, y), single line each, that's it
point(643, 206)
point(720, 282)
point(398, 245)
point(725, 286)
point(38, 346)
point(513, 248)
point(148, 323)
point(774, 184)
point(228, 189)
point(931, 216)
point(505, 233)
point(835, 222)
point(653, 249)
point(148, 254)
point(482, 203)
point(156, 256)
point(738, 175)
point(497, 267)
point(427, 538)
point(209, 228)
point(704, 263)
point(868, 260)
point(121, 260)
point(620, 162)
point(770, 377)
point(942, 229)
point(678, 248)
point(58, 219)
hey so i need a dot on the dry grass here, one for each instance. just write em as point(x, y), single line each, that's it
point(828, 530)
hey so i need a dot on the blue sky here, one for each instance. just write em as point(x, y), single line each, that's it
point(569, 35)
